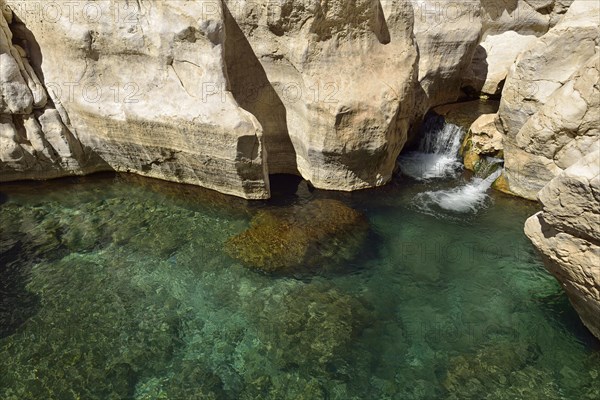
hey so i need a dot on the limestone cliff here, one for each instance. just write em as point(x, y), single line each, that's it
point(447, 35)
point(35, 138)
point(145, 88)
point(223, 93)
point(567, 234)
point(508, 28)
point(548, 112)
point(331, 83)
point(220, 94)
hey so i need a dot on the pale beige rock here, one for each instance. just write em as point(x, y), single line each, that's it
point(526, 17)
point(336, 95)
point(571, 201)
point(558, 135)
point(447, 34)
point(35, 86)
point(221, 94)
point(15, 95)
point(548, 63)
point(146, 90)
point(567, 234)
point(34, 142)
point(508, 28)
point(493, 59)
point(180, 92)
point(549, 107)
point(485, 137)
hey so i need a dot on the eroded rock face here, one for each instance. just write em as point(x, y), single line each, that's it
point(483, 139)
point(526, 17)
point(558, 134)
point(548, 64)
point(337, 98)
point(447, 34)
point(220, 94)
point(567, 234)
point(492, 60)
point(508, 28)
point(301, 239)
point(145, 88)
point(548, 112)
point(35, 139)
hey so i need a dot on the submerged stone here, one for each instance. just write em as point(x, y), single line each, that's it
point(310, 327)
point(508, 370)
point(300, 238)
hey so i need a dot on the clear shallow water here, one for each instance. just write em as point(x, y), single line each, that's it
point(118, 287)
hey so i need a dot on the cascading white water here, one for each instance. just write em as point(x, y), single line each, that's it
point(437, 156)
point(468, 198)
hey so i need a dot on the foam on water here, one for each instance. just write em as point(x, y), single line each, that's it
point(438, 157)
point(468, 198)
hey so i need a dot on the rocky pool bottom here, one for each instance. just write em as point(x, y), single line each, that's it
point(118, 287)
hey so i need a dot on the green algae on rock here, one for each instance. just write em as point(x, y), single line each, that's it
point(300, 238)
point(107, 308)
point(311, 325)
point(504, 370)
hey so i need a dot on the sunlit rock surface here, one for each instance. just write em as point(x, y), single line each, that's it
point(567, 234)
point(483, 139)
point(36, 141)
point(447, 35)
point(550, 102)
point(222, 94)
point(332, 84)
point(548, 115)
point(492, 61)
point(145, 88)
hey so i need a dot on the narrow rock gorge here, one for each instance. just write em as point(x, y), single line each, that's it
point(222, 94)
point(404, 290)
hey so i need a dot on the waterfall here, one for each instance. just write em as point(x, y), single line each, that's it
point(468, 198)
point(437, 156)
point(487, 166)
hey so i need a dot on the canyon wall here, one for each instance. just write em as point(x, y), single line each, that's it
point(336, 95)
point(144, 88)
point(548, 115)
point(567, 234)
point(35, 142)
point(548, 130)
point(217, 94)
point(550, 102)
point(223, 93)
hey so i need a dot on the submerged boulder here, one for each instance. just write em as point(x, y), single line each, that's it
point(502, 370)
point(300, 238)
point(312, 325)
